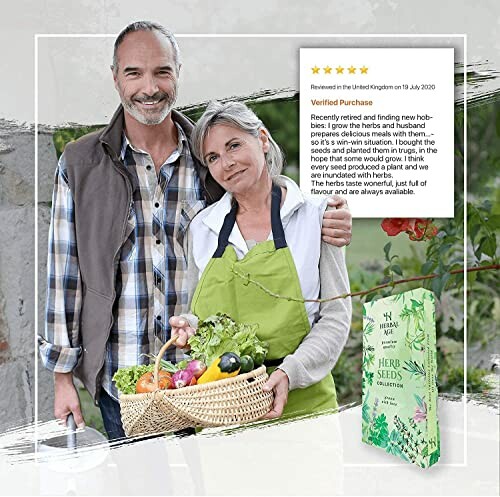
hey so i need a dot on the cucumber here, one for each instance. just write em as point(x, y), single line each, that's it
point(247, 364)
point(258, 359)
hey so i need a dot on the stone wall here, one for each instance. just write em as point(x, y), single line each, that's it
point(17, 270)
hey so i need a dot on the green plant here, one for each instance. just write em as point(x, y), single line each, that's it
point(451, 379)
point(91, 413)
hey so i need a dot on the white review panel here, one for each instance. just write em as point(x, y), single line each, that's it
point(376, 126)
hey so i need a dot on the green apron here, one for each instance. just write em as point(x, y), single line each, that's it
point(283, 323)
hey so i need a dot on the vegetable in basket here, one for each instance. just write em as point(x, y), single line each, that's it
point(198, 407)
point(126, 378)
point(225, 366)
point(196, 367)
point(247, 364)
point(182, 378)
point(219, 334)
point(146, 382)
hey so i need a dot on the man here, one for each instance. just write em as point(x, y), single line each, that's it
point(123, 198)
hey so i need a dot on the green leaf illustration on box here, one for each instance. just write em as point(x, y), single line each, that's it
point(399, 377)
point(379, 433)
point(415, 369)
point(394, 445)
point(368, 354)
point(414, 317)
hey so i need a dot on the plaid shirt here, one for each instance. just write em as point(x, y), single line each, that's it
point(151, 271)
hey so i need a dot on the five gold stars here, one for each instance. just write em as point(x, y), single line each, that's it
point(340, 70)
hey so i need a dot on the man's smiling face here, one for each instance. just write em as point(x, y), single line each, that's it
point(146, 76)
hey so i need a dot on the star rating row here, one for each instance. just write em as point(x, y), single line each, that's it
point(340, 70)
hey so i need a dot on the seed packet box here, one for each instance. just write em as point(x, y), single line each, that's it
point(399, 408)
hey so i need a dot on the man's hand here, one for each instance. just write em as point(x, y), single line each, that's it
point(66, 399)
point(337, 223)
point(181, 327)
point(278, 382)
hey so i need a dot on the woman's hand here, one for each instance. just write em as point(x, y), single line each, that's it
point(278, 383)
point(180, 327)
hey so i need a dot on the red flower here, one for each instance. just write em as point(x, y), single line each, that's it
point(423, 229)
point(394, 226)
point(417, 229)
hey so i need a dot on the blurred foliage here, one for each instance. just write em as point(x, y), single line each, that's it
point(483, 152)
point(91, 413)
point(452, 380)
point(66, 135)
point(281, 119)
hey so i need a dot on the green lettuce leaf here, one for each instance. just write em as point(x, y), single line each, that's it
point(219, 334)
point(126, 378)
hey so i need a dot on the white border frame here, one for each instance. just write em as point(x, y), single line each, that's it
point(38, 36)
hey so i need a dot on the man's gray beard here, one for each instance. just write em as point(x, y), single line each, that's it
point(144, 119)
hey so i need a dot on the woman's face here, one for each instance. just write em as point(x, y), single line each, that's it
point(235, 158)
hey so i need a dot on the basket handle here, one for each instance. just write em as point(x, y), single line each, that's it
point(166, 345)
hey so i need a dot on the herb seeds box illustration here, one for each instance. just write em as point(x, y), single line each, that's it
point(399, 409)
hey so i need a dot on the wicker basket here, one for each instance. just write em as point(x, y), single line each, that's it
point(230, 401)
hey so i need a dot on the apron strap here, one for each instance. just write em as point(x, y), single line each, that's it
point(276, 224)
point(225, 231)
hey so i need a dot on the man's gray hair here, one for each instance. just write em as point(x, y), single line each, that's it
point(147, 26)
point(239, 116)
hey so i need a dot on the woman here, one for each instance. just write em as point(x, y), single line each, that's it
point(264, 230)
